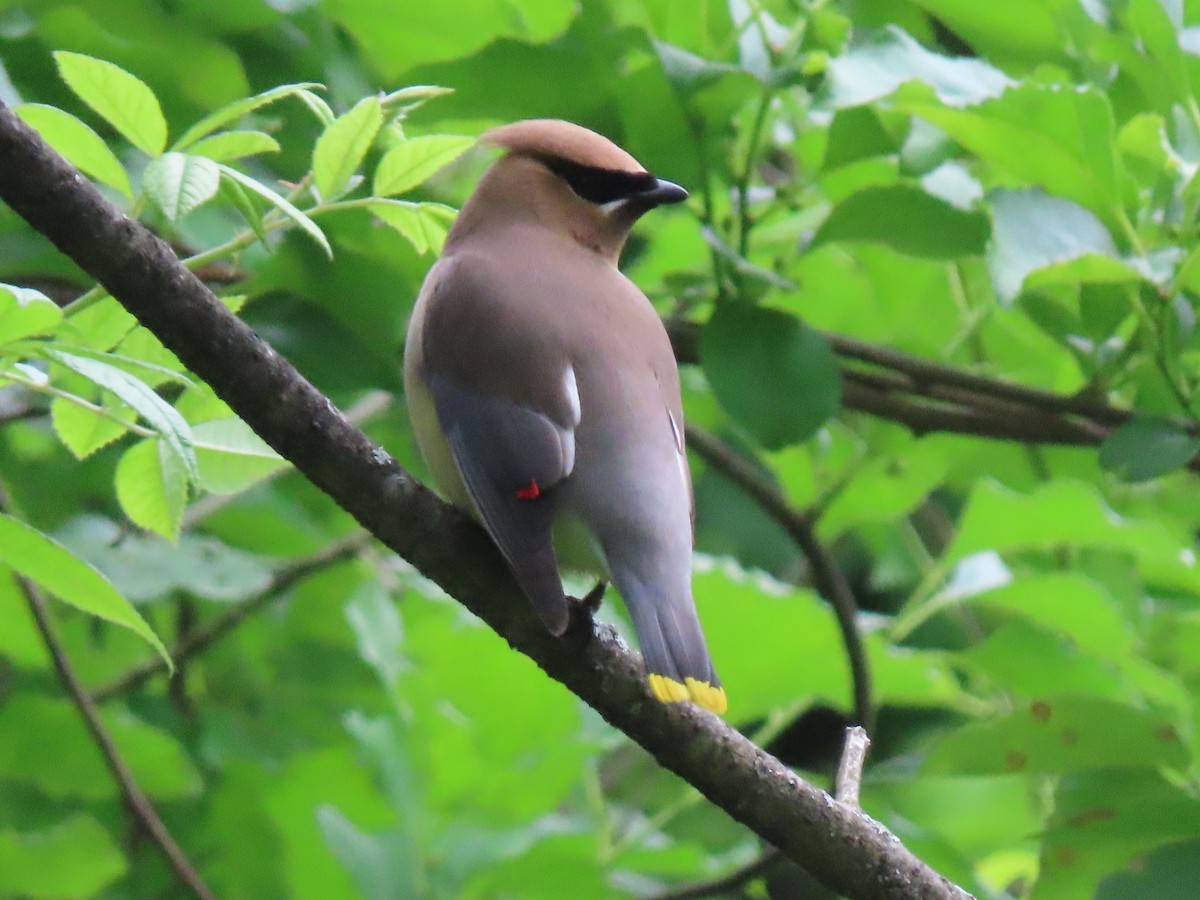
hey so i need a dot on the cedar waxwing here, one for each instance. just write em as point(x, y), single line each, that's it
point(544, 393)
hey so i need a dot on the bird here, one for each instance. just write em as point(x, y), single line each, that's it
point(544, 394)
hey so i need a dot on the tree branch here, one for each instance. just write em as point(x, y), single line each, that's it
point(139, 804)
point(843, 848)
point(206, 634)
point(827, 576)
point(926, 397)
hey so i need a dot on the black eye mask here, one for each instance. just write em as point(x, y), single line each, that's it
point(601, 186)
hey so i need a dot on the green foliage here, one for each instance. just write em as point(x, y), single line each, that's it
point(1009, 189)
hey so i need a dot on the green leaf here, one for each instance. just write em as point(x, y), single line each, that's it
point(100, 326)
point(908, 220)
point(878, 67)
point(424, 225)
point(774, 375)
point(1060, 140)
point(411, 163)
point(152, 488)
point(379, 632)
point(307, 225)
point(318, 107)
point(25, 312)
point(437, 32)
point(82, 429)
point(1071, 514)
point(246, 207)
point(1142, 449)
point(79, 145)
point(1060, 734)
point(179, 183)
point(1032, 232)
point(340, 150)
point(229, 145)
point(47, 747)
point(71, 860)
point(147, 567)
point(119, 98)
point(233, 111)
point(380, 868)
point(232, 457)
point(50, 565)
point(157, 412)
point(1101, 821)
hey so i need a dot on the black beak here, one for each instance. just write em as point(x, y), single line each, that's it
point(662, 194)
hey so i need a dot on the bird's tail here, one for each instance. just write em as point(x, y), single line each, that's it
point(673, 646)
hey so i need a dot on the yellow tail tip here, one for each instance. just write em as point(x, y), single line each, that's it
point(702, 693)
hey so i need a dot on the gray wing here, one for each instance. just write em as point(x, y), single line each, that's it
point(510, 459)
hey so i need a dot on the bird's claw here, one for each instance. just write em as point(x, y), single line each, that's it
point(584, 608)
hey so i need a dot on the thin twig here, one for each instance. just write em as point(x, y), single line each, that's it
point(849, 775)
point(726, 884)
point(827, 576)
point(205, 635)
point(138, 803)
point(930, 397)
point(924, 371)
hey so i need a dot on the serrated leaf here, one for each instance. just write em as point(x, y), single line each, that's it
point(773, 374)
point(25, 312)
point(411, 163)
point(235, 145)
point(157, 412)
point(123, 100)
point(78, 144)
point(1141, 449)
point(54, 568)
point(307, 225)
point(179, 183)
point(425, 225)
point(340, 150)
point(232, 457)
point(233, 111)
point(152, 488)
point(83, 430)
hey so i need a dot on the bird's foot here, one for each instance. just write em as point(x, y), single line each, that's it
point(583, 609)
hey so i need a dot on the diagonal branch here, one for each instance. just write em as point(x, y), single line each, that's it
point(843, 848)
point(139, 804)
point(827, 576)
point(926, 396)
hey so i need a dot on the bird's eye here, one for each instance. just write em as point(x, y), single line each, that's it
point(598, 185)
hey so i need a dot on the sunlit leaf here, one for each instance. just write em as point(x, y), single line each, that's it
point(179, 183)
point(340, 150)
point(81, 146)
point(407, 165)
point(50, 565)
point(123, 100)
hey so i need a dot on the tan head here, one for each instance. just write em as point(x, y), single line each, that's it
point(565, 178)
